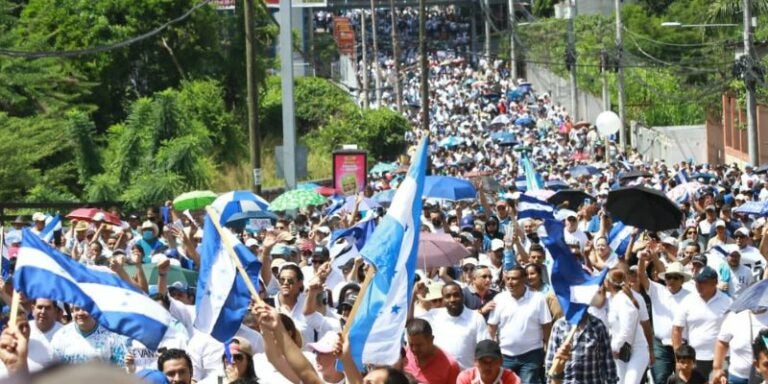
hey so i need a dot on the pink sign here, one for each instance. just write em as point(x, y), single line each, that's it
point(349, 171)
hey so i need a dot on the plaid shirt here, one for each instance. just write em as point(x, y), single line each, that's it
point(591, 359)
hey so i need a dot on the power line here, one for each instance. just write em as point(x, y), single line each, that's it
point(101, 48)
point(680, 45)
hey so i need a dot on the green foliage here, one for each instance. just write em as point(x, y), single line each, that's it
point(80, 132)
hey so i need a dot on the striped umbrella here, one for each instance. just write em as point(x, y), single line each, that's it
point(234, 202)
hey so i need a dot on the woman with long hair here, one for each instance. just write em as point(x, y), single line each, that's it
point(628, 342)
point(238, 361)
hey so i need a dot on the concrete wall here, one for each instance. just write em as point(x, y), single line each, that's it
point(559, 90)
point(673, 144)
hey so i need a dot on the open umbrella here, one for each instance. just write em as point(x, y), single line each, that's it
point(326, 191)
point(238, 201)
point(439, 250)
point(382, 168)
point(556, 185)
point(241, 218)
point(87, 214)
point(683, 191)
point(193, 200)
point(366, 204)
point(296, 199)
point(541, 194)
point(499, 121)
point(573, 198)
point(633, 175)
point(644, 208)
point(450, 141)
point(758, 208)
point(448, 188)
point(309, 186)
point(755, 297)
point(583, 170)
point(762, 169)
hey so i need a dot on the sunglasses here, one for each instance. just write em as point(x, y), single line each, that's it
point(237, 357)
point(286, 281)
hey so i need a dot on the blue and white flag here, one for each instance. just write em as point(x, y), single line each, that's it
point(222, 294)
point(52, 224)
point(345, 244)
point(573, 286)
point(520, 183)
point(43, 272)
point(619, 237)
point(376, 330)
point(531, 207)
point(682, 177)
point(533, 181)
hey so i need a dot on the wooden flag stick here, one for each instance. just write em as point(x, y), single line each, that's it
point(559, 364)
point(231, 251)
point(15, 301)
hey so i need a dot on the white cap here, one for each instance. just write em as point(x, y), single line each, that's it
point(251, 242)
point(719, 223)
point(669, 240)
point(469, 261)
point(38, 216)
point(497, 244)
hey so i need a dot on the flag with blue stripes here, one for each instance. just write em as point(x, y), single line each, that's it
point(520, 183)
point(681, 177)
point(573, 286)
point(52, 224)
point(5, 259)
point(533, 181)
point(619, 237)
point(354, 239)
point(43, 272)
point(376, 330)
point(531, 207)
point(222, 294)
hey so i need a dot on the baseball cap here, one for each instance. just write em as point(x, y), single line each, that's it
point(467, 222)
point(38, 216)
point(706, 273)
point(240, 345)
point(280, 249)
point(99, 216)
point(487, 348)
point(469, 261)
point(670, 241)
point(326, 344)
point(181, 286)
point(699, 259)
point(719, 223)
point(497, 244)
point(741, 231)
point(251, 242)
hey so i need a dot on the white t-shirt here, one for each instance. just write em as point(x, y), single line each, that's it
point(519, 321)
point(623, 321)
point(71, 346)
point(457, 335)
point(49, 334)
point(664, 304)
point(267, 372)
point(741, 277)
point(701, 321)
point(39, 352)
point(735, 331)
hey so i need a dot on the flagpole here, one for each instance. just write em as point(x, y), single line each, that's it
point(363, 289)
point(231, 251)
point(557, 363)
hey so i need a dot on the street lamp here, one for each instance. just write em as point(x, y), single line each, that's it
point(749, 67)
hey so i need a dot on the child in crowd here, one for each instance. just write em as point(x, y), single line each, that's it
point(760, 351)
point(685, 367)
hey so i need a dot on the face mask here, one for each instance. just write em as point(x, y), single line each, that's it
point(147, 235)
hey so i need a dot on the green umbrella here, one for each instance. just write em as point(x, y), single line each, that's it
point(193, 200)
point(175, 274)
point(296, 199)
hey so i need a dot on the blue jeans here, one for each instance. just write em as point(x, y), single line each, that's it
point(529, 366)
point(665, 362)
point(737, 380)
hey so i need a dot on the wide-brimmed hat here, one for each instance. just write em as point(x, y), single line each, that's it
point(676, 268)
point(19, 220)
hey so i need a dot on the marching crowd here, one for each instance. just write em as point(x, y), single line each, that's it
point(663, 314)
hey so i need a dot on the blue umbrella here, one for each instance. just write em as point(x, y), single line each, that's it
point(450, 141)
point(754, 297)
point(308, 186)
point(525, 120)
point(366, 205)
point(500, 120)
point(583, 170)
point(240, 218)
point(236, 202)
point(448, 188)
point(383, 168)
point(384, 197)
point(508, 142)
point(759, 208)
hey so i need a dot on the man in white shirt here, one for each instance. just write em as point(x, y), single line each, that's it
point(740, 276)
point(45, 313)
point(521, 323)
point(699, 317)
point(665, 298)
point(457, 329)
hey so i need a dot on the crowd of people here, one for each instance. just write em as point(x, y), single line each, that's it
point(662, 315)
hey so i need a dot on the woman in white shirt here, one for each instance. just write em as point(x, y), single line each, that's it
point(736, 335)
point(626, 332)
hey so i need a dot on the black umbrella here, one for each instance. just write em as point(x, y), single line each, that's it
point(573, 197)
point(644, 208)
point(762, 169)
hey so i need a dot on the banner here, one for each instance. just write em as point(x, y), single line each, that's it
point(350, 171)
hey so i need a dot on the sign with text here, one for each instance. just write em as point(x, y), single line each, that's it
point(350, 171)
point(299, 3)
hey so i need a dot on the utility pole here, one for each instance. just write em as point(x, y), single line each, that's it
point(375, 61)
point(254, 137)
point(487, 24)
point(750, 83)
point(365, 58)
point(423, 66)
point(512, 46)
point(570, 60)
point(604, 79)
point(396, 57)
point(473, 38)
point(286, 81)
point(620, 74)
